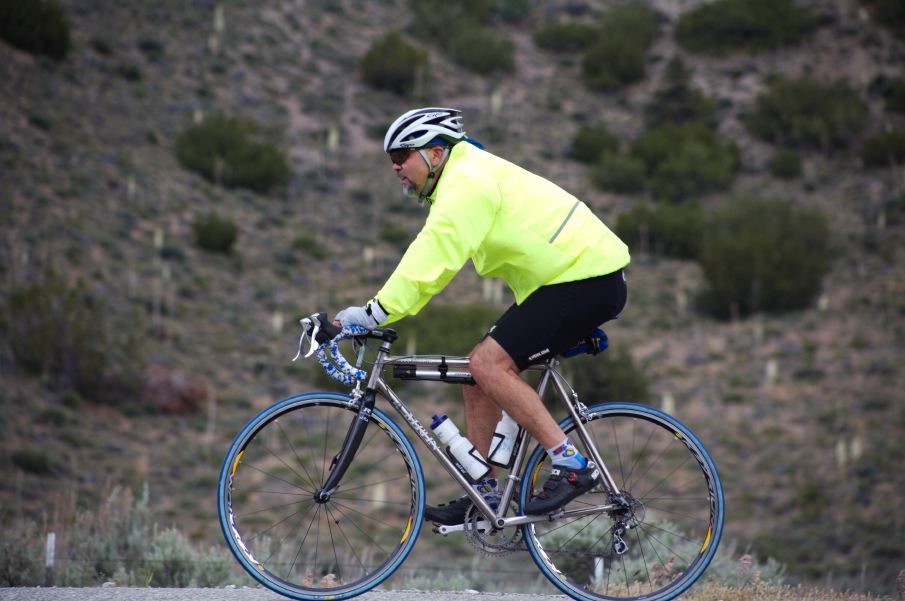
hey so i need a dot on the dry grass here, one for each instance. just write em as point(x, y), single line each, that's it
point(765, 592)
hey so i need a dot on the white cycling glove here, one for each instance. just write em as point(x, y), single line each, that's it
point(370, 316)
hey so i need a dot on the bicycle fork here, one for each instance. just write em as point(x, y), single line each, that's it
point(349, 448)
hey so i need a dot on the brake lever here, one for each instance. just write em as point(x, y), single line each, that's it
point(310, 328)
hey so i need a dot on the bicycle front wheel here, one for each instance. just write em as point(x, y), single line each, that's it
point(654, 539)
point(309, 548)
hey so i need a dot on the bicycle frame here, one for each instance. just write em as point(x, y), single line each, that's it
point(455, 370)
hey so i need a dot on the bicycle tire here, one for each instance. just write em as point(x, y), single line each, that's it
point(673, 511)
point(307, 549)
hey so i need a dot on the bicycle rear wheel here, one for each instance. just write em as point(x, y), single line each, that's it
point(658, 536)
point(312, 549)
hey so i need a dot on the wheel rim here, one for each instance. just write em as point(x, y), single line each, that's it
point(666, 524)
point(308, 547)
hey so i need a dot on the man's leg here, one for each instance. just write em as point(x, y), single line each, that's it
point(498, 381)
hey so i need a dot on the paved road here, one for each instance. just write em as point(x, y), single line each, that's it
point(236, 594)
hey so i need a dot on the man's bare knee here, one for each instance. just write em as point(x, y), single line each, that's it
point(488, 360)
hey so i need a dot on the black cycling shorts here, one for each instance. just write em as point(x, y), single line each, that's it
point(553, 318)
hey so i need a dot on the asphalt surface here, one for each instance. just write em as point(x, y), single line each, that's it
point(237, 594)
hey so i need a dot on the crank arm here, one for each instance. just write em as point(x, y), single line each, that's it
point(483, 526)
point(519, 520)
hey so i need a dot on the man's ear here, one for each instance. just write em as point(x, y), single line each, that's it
point(436, 153)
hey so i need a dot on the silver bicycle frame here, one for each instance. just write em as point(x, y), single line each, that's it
point(456, 370)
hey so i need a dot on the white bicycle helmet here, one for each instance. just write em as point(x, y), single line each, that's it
point(418, 127)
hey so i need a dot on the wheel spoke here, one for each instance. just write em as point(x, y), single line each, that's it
point(676, 486)
point(319, 549)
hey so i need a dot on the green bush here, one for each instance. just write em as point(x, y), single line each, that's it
point(483, 50)
point(568, 36)
point(65, 333)
point(464, 26)
point(884, 150)
point(437, 20)
point(807, 113)
point(894, 96)
point(33, 461)
point(785, 164)
point(592, 141)
point(675, 102)
point(214, 233)
point(21, 554)
point(608, 377)
point(448, 329)
point(214, 567)
point(395, 235)
point(620, 173)
point(685, 161)
point(890, 13)
point(393, 64)
point(618, 56)
point(171, 561)
point(728, 26)
point(664, 229)
point(763, 255)
point(309, 245)
point(229, 151)
point(36, 26)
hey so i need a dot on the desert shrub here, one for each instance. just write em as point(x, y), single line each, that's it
point(214, 567)
point(763, 255)
point(171, 561)
point(891, 14)
point(36, 26)
point(112, 540)
point(393, 64)
point(512, 10)
point(884, 150)
point(618, 56)
point(230, 151)
point(65, 332)
point(152, 49)
point(310, 246)
point(483, 50)
point(437, 20)
point(395, 235)
point(664, 229)
point(785, 164)
point(566, 36)
point(592, 141)
point(676, 102)
point(728, 26)
point(894, 96)
point(31, 460)
point(685, 161)
point(464, 25)
point(619, 172)
point(214, 233)
point(449, 329)
point(808, 113)
point(21, 554)
point(607, 377)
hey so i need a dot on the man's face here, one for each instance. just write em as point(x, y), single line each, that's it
point(412, 169)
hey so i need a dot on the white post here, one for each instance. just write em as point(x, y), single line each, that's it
point(50, 558)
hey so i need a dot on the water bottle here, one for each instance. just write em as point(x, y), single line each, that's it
point(464, 455)
point(503, 442)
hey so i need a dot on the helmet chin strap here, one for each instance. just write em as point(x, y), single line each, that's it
point(429, 183)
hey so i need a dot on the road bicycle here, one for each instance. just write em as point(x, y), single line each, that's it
point(322, 495)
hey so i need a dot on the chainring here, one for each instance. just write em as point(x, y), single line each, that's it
point(491, 542)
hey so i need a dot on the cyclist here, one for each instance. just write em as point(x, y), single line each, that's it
point(563, 265)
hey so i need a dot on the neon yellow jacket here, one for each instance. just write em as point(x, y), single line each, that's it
point(511, 223)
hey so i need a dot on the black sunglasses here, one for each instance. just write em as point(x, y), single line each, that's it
point(400, 155)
